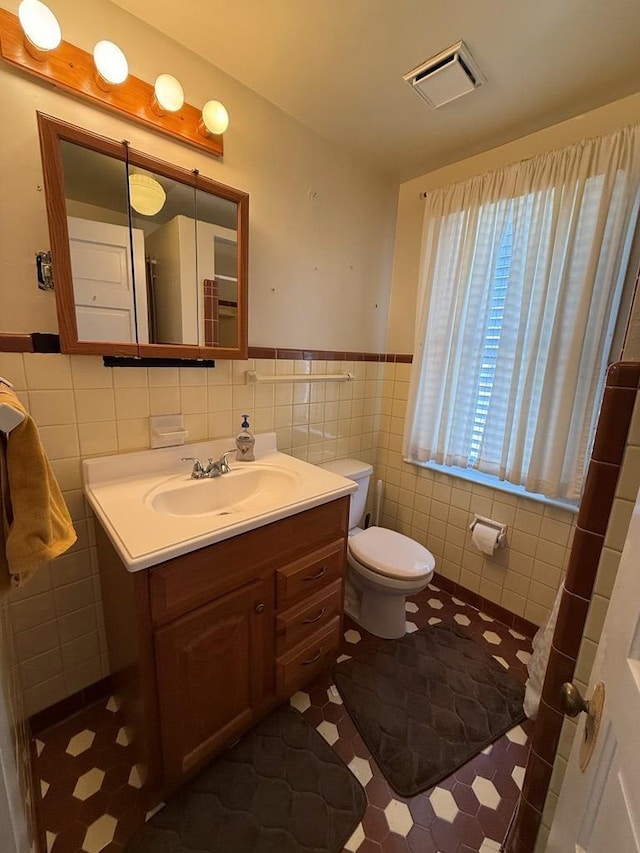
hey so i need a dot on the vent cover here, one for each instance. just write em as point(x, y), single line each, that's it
point(447, 76)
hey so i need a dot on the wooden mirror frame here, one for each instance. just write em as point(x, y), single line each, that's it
point(52, 132)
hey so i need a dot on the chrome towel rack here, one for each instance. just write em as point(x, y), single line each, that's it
point(252, 377)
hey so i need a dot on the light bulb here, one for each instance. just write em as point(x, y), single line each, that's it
point(168, 95)
point(111, 64)
point(215, 119)
point(146, 194)
point(40, 27)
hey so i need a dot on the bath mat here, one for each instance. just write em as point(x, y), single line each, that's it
point(281, 789)
point(427, 703)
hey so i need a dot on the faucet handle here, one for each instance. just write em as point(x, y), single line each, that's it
point(197, 472)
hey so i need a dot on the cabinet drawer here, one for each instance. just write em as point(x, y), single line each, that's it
point(299, 622)
point(304, 577)
point(186, 582)
point(307, 659)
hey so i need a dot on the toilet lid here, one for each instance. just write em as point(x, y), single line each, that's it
point(391, 554)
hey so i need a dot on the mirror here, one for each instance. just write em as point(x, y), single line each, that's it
point(148, 259)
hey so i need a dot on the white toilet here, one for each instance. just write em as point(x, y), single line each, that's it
point(384, 566)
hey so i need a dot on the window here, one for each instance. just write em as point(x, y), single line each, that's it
point(491, 341)
point(522, 275)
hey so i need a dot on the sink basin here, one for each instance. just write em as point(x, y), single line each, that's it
point(238, 491)
point(153, 512)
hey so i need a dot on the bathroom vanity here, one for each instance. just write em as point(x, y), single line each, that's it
point(207, 641)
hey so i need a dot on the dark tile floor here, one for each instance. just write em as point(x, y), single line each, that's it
point(92, 796)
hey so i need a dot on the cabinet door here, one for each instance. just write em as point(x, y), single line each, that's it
point(211, 675)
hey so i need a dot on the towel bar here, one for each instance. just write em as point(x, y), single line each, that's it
point(252, 377)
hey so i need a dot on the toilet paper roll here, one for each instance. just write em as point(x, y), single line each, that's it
point(485, 538)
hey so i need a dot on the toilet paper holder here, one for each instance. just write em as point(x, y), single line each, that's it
point(489, 522)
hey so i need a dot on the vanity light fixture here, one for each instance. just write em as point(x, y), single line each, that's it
point(146, 195)
point(168, 95)
point(40, 27)
point(111, 65)
point(31, 41)
point(215, 119)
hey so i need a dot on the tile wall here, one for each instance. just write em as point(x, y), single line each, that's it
point(11, 695)
point(436, 509)
point(621, 511)
point(84, 409)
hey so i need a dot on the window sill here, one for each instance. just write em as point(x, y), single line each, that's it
point(494, 483)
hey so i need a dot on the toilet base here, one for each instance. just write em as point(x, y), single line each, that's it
point(380, 614)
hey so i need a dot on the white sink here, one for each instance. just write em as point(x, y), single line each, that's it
point(152, 511)
point(256, 488)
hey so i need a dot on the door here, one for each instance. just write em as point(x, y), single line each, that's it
point(599, 809)
point(211, 665)
point(111, 302)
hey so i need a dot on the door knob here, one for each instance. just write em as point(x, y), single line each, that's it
point(259, 608)
point(573, 702)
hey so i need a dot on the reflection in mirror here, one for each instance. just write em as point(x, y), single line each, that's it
point(217, 269)
point(164, 212)
point(150, 260)
point(108, 276)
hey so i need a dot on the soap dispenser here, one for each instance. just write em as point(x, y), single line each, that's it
point(245, 442)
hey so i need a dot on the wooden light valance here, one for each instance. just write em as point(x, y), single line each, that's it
point(72, 69)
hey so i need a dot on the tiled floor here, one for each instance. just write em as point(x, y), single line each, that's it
point(92, 797)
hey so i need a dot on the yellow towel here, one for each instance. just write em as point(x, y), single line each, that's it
point(35, 525)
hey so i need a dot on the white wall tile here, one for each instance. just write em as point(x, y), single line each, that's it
point(47, 372)
point(88, 372)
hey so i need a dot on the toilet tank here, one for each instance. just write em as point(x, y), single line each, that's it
point(356, 470)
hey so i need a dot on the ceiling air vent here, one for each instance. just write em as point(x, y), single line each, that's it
point(447, 76)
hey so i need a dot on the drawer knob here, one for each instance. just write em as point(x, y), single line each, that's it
point(314, 659)
point(315, 618)
point(317, 575)
point(259, 608)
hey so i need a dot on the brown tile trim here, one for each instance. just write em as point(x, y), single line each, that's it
point(599, 491)
point(496, 611)
point(525, 828)
point(546, 733)
point(444, 583)
point(328, 355)
point(261, 352)
point(572, 616)
point(70, 705)
point(624, 374)
point(560, 668)
point(613, 425)
point(536, 785)
point(583, 562)
point(15, 343)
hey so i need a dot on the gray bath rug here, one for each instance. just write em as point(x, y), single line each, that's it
point(427, 703)
point(281, 789)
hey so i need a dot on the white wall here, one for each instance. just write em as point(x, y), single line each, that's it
point(319, 267)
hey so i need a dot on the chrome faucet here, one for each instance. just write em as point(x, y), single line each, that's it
point(212, 469)
point(198, 471)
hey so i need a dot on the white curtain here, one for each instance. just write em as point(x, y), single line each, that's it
point(521, 277)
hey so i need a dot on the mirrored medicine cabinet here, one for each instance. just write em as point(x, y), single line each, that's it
point(148, 259)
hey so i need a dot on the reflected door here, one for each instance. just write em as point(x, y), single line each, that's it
point(103, 283)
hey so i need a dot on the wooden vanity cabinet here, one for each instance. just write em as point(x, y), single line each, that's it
point(204, 645)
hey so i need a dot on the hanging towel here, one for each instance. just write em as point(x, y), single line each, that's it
point(537, 666)
point(35, 525)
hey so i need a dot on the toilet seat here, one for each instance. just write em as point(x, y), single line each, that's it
point(391, 554)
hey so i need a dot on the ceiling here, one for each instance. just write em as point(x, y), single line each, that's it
point(337, 66)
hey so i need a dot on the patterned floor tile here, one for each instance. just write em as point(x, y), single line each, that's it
point(92, 795)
